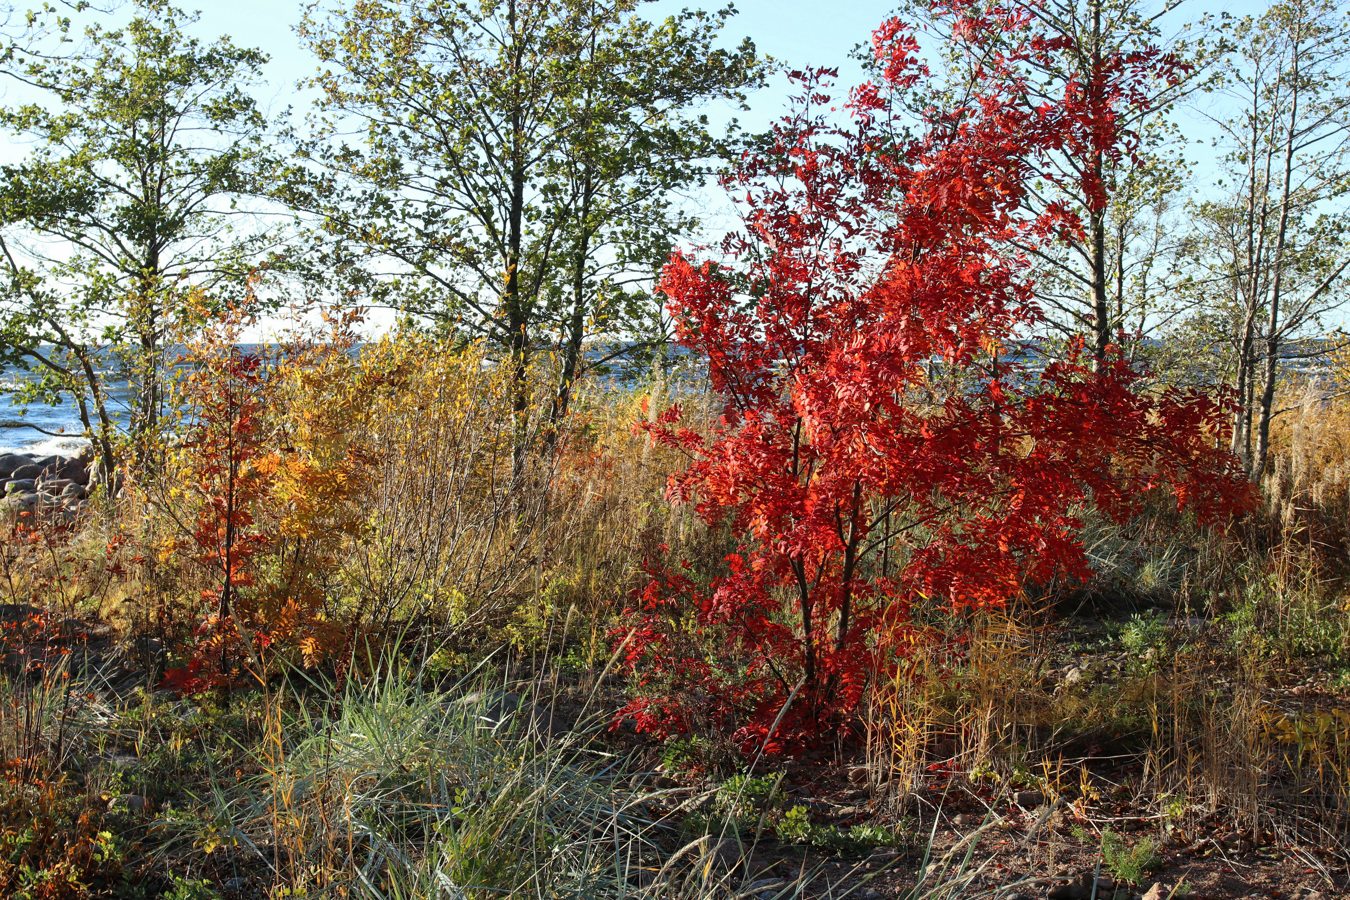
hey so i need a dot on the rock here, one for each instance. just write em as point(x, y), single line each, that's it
point(53, 485)
point(74, 491)
point(132, 803)
point(147, 652)
point(69, 470)
point(14, 504)
point(859, 775)
point(1071, 891)
point(1030, 799)
point(727, 852)
point(1155, 892)
point(11, 461)
point(20, 486)
point(123, 762)
point(765, 888)
point(30, 472)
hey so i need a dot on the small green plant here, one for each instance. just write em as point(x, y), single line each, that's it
point(856, 839)
point(742, 799)
point(181, 888)
point(681, 755)
point(1122, 861)
point(1144, 637)
point(795, 826)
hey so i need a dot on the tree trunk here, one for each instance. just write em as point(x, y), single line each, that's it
point(1273, 323)
point(514, 305)
point(576, 325)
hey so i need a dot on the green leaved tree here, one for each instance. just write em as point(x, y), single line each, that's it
point(509, 169)
point(143, 149)
point(1270, 248)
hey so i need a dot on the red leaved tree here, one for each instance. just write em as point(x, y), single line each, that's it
point(886, 438)
point(226, 472)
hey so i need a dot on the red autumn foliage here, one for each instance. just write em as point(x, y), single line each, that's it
point(225, 391)
point(886, 438)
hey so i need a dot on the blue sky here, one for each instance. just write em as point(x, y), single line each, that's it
point(796, 32)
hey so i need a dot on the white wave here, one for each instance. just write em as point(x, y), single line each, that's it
point(46, 446)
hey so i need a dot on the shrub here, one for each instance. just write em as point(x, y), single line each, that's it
point(885, 440)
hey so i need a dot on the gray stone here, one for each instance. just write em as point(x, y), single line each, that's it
point(1075, 675)
point(20, 486)
point(70, 470)
point(123, 762)
point(30, 472)
point(728, 853)
point(132, 803)
point(53, 485)
point(1030, 799)
point(1155, 892)
point(765, 888)
point(11, 461)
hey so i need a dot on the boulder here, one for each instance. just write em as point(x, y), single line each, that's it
point(53, 485)
point(20, 486)
point(30, 472)
point(130, 803)
point(74, 491)
point(69, 470)
point(11, 461)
